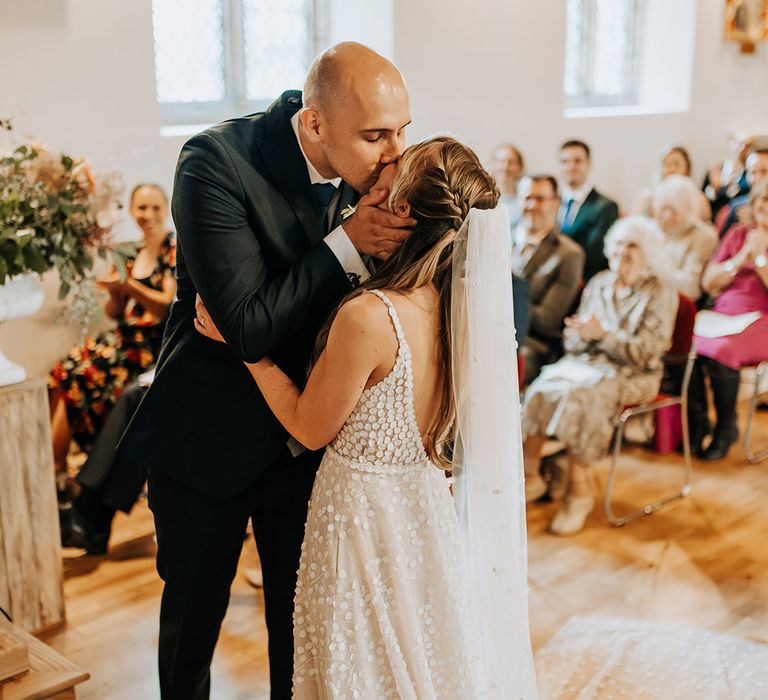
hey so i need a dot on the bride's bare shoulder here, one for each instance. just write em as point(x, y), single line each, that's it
point(365, 314)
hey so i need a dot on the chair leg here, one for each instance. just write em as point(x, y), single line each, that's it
point(685, 488)
point(754, 457)
point(652, 507)
point(612, 473)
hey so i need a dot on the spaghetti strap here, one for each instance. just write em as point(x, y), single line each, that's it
point(393, 315)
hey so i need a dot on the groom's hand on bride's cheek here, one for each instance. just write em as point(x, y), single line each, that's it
point(204, 323)
point(373, 230)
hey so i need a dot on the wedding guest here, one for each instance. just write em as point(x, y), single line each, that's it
point(552, 266)
point(507, 168)
point(738, 207)
point(585, 214)
point(688, 242)
point(728, 179)
point(738, 278)
point(614, 347)
point(675, 160)
point(107, 484)
point(87, 383)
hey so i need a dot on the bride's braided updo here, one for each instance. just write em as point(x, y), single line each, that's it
point(441, 180)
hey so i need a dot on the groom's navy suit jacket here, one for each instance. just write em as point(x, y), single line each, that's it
point(250, 241)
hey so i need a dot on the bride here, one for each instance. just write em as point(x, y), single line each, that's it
point(403, 590)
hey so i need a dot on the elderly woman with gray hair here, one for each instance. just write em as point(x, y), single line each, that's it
point(613, 357)
point(688, 242)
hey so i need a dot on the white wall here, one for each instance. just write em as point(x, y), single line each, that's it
point(79, 75)
point(492, 71)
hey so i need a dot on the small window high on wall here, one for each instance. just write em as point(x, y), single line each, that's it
point(601, 52)
point(216, 59)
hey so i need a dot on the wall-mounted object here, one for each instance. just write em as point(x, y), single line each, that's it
point(746, 22)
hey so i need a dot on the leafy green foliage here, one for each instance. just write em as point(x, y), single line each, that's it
point(50, 208)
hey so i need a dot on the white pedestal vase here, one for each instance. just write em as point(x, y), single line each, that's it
point(19, 297)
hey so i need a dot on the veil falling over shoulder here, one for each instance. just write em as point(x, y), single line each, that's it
point(489, 487)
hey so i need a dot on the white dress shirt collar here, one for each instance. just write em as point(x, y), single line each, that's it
point(578, 194)
point(314, 177)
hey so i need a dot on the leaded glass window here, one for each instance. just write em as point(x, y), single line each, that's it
point(601, 52)
point(216, 59)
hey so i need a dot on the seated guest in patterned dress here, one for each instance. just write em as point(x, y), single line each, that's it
point(738, 277)
point(688, 242)
point(614, 347)
point(87, 383)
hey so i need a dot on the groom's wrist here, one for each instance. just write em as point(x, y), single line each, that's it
point(346, 253)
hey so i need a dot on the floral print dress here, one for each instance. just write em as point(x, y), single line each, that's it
point(93, 375)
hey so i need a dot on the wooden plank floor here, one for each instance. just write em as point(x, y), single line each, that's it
point(702, 560)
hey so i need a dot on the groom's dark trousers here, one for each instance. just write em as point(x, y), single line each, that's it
point(250, 242)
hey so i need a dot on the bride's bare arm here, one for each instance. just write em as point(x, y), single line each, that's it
point(361, 345)
point(360, 341)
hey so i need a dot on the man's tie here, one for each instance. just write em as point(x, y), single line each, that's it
point(566, 223)
point(324, 193)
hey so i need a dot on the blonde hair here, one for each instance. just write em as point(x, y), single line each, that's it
point(441, 180)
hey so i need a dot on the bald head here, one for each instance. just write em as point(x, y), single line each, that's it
point(349, 71)
point(355, 113)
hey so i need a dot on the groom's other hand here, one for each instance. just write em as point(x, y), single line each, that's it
point(374, 231)
point(204, 323)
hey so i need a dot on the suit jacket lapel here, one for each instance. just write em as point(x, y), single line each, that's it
point(547, 245)
point(584, 209)
point(286, 164)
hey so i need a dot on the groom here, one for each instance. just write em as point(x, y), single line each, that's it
point(258, 203)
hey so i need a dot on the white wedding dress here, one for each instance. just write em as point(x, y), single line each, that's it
point(381, 602)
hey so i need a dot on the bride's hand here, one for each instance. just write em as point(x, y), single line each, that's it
point(204, 323)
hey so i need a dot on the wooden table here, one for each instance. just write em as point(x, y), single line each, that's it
point(50, 675)
point(31, 572)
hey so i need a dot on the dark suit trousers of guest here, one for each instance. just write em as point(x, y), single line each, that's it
point(199, 540)
point(118, 483)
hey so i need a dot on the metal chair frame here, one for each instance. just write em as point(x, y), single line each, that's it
point(754, 457)
point(650, 406)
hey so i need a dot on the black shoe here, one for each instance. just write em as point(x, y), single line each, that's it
point(78, 532)
point(699, 429)
point(721, 444)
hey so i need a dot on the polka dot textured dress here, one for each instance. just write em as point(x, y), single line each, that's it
point(380, 601)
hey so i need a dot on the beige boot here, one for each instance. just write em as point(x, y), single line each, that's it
point(572, 515)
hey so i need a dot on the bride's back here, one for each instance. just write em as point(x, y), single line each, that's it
point(418, 312)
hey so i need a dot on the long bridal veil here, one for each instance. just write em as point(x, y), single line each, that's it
point(489, 487)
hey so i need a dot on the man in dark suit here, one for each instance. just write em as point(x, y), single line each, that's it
point(727, 180)
point(551, 264)
point(585, 214)
point(254, 201)
point(757, 170)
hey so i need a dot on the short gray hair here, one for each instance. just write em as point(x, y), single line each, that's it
point(641, 231)
point(679, 192)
